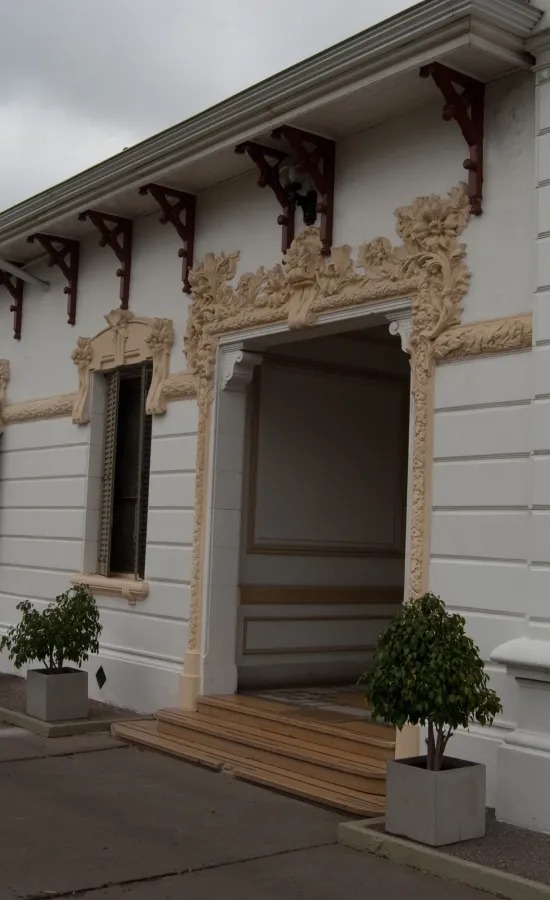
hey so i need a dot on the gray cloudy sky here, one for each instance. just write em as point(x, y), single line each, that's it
point(82, 79)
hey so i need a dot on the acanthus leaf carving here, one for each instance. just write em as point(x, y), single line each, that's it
point(118, 321)
point(160, 342)
point(310, 283)
point(82, 357)
point(37, 410)
point(481, 338)
point(179, 386)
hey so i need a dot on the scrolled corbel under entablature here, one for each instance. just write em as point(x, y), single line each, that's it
point(238, 368)
point(401, 324)
point(128, 339)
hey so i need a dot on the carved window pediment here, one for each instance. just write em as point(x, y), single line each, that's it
point(128, 339)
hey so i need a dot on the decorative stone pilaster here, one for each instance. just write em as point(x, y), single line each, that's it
point(523, 787)
point(214, 671)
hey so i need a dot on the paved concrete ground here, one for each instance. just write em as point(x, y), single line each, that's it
point(91, 818)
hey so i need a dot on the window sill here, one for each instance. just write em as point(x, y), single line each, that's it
point(128, 588)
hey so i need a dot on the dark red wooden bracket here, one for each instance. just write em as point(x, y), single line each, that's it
point(315, 156)
point(63, 253)
point(116, 233)
point(268, 161)
point(465, 103)
point(15, 286)
point(173, 205)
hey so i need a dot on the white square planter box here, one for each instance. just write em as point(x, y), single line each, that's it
point(435, 808)
point(63, 695)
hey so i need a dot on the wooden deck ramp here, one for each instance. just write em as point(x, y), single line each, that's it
point(325, 756)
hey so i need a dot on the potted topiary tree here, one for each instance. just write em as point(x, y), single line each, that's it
point(428, 672)
point(67, 630)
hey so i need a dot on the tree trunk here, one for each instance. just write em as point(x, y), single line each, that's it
point(439, 749)
point(431, 747)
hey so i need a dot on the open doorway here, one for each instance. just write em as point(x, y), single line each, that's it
point(322, 545)
point(306, 554)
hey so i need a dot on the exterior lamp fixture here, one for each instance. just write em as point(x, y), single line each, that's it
point(301, 191)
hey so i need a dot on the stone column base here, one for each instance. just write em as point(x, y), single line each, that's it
point(523, 780)
point(190, 681)
point(523, 787)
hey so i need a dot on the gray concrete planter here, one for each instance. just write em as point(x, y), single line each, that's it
point(63, 695)
point(435, 808)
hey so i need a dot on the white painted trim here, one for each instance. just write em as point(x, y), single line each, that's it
point(238, 369)
point(525, 657)
point(389, 308)
point(20, 273)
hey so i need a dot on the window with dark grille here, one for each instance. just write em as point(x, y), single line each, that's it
point(126, 466)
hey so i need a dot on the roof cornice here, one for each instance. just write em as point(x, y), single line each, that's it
point(285, 92)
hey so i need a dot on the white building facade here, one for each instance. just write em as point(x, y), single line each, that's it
point(306, 474)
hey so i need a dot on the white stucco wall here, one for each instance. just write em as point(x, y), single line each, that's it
point(481, 525)
point(377, 170)
point(48, 469)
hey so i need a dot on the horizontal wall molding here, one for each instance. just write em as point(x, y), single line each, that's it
point(126, 588)
point(459, 342)
point(475, 407)
point(275, 650)
point(42, 408)
point(180, 386)
point(112, 651)
point(260, 595)
point(504, 335)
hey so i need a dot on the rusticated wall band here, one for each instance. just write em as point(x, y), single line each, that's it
point(180, 386)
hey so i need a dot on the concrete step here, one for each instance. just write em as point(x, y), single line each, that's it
point(299, 758)
point(336, 731)
point(350, 800)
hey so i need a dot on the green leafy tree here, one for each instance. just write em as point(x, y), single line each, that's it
point(67, 630)
point(428, 671)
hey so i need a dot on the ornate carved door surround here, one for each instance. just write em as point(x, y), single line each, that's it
point(427, 273)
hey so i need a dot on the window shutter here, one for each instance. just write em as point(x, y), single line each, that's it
point(108, 475)
point(142, 506)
